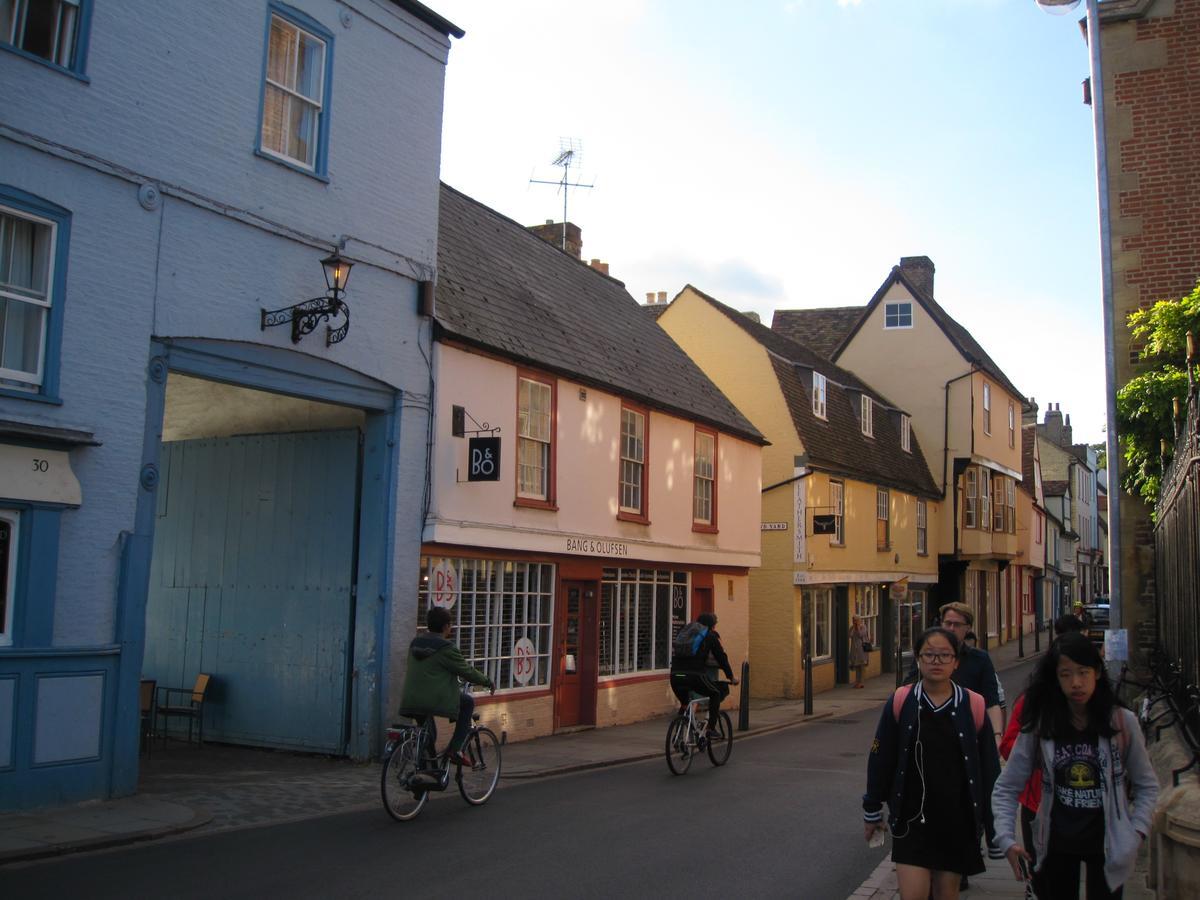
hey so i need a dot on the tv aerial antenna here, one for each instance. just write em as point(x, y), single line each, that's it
point(570, 153)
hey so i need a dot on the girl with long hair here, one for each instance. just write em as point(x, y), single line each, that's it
point(934, 761)
point(1091, 755)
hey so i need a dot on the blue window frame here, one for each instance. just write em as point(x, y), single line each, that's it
point(52, 32)
point(297, 84)
point(29, 534)
point(34, 237)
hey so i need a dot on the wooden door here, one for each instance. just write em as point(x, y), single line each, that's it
point(575, 683)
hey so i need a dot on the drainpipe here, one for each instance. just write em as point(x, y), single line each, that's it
point(946, 426)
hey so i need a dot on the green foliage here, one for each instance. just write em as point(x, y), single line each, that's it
point(1101, 455)
point(1144, 405)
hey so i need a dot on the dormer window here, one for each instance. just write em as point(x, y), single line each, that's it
point(906, 433)
point(867, 426)
point(897, 315)
point(819, 394)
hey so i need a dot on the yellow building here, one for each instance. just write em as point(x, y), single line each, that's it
point(964, 410)
point(848, 504)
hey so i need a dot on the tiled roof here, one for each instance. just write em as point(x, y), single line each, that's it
point(959, 336)
point(506, 290)
point(1028, 436)
point(820, 329)
point(1054, 488)
point(836, 444)
point(654, 310)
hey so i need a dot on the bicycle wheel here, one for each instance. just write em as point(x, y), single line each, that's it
point(399, 799)
point(679, 752)
point(720, 741)
point(478, 783)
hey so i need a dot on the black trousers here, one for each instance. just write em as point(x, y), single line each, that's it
point(1060, 877)
point(684, 684)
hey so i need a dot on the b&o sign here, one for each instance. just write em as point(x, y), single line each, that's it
point(484, 462)
point(444, 590)
point(524, 661)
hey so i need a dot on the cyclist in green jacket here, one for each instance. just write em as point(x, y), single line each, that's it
point(431, 680)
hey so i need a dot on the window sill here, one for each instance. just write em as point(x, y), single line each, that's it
point(837, 545)
point(925, 554)
point(701, 528)
point(287, 164)
point(636, 518)
point(53, 66)
point(530, 503)
point(887, 548)
point(35, 398)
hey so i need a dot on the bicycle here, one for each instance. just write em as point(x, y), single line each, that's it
point(412, 768)
point(687, 737)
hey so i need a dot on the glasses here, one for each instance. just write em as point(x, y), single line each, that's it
point(937, 657)
point(947, 623)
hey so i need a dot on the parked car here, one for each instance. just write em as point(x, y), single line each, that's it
point(1096, 617)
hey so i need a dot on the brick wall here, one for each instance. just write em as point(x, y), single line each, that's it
point(1152, 82)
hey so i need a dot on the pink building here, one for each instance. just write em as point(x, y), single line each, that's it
point(590, 490)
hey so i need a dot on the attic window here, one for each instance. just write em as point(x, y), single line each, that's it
point(867, 426)
point(897, 315)
point(906, 433)
point(819, 393)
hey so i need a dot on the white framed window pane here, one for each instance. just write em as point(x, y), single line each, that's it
point(702, 490)
point(22, 333)
point(44, 28)
point(281, 54)
point(310, 67)
point(632, 456)
point(25, 248)
point(275, 115)
point(302, 130)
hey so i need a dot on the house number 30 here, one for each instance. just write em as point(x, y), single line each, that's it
point(41, 465)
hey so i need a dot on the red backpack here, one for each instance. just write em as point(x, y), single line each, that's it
point(977, 708)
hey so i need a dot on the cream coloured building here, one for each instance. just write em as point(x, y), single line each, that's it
point(848, 505)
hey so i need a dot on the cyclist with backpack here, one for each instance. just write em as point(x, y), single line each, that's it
point(693, 646)
point(933, 762)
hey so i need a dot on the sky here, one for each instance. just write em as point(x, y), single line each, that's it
point(781, 155)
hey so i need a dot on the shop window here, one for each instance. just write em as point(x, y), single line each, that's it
point(636, 622)
point(502, 613)
point(9, 519)
point(866, 607)
point(535, 441)
point(50, 31)
point(820, 617)
point(704, 483)
point(295, 99)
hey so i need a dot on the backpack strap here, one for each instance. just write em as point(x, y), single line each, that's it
point(898, 699)
point(978, 709)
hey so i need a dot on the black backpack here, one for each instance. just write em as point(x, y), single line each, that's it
point(688, 639)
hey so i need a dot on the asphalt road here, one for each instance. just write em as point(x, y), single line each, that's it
point(780, 820)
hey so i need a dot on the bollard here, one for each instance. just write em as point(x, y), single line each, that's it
point(808, 700)
point(744, 701)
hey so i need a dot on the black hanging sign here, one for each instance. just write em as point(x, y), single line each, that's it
point(484, 462)
point(824, 524)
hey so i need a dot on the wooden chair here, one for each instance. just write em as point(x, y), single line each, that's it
point(146, 708)
point(191, 707)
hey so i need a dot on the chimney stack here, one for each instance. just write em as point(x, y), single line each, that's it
point(649, 298)
point(662, 296)
point(1053, 426)
point(1067, 432)
point(918, 270)
point(601, 267)
point(552, 233)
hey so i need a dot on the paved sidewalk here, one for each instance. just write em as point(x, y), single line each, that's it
point(185, 788)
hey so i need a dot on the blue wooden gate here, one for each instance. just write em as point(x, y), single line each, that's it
point(251, 583)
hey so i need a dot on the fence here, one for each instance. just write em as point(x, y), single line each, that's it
point(1177, 552)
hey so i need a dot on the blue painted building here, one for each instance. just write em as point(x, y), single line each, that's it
point(184, 487)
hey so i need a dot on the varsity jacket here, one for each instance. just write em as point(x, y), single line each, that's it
point(889, 757)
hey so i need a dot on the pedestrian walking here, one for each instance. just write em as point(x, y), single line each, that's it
point(1091, 755)
point(933, 761)
point(859, 647)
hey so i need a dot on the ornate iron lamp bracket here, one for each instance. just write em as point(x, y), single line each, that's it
point(304, 317)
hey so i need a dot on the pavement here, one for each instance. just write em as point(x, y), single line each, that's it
point(185, 788)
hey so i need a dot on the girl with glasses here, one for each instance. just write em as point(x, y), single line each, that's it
point(1091, 756)
point(934, 762)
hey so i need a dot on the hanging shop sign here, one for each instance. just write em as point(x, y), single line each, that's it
point(484, 459)
point(824, 524)
point(37, 475)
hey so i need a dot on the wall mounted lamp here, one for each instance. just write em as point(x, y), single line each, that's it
point(305, 316)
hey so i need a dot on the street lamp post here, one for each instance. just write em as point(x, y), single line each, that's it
point(1112, 446)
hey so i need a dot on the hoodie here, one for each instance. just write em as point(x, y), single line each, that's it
point(431, 677)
